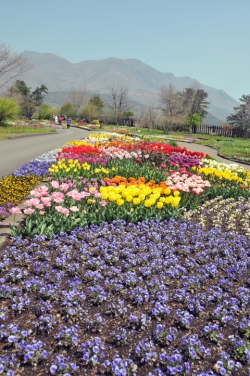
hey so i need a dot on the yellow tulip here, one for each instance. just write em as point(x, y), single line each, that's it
point(168, 200)
point(112, 197)
point(167, 191)
point(120, 202)
point(129, 198)
point(136, 201)
point(159, 205)
point(147, 203)
point(175, 201)
point(141, 196)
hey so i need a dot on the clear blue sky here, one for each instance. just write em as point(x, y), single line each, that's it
point(204, 39)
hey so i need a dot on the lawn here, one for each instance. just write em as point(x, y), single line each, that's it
point(133, 259)
point(21, 128)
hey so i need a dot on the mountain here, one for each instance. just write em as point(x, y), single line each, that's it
point(143, 82)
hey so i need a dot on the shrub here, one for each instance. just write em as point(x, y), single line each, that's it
point(45, 112)
point(9, 109)
point(172, 143)
point(96, 122)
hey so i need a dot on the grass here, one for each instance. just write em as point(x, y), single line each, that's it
point(8, 130)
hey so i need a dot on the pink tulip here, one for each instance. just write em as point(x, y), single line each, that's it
point(58, 200)
point(64, 187)
point(40, 191)
point(103, 203)
point(15, 210)
point(65, 211)
point(77, 196)
point(58, 208)
point(56, 195)
point(55, 184)
point(32, 202)
point(28, 211)
point(85, 194)
point(74, 209)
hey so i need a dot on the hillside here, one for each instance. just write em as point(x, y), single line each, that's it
point(143, 81)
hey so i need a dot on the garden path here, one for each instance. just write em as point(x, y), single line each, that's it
point(17, 151)
point(212, 152)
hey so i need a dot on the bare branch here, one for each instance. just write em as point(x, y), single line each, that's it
point(12, 65)
point(118, 101)
point(78, 97)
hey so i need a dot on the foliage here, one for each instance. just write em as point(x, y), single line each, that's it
point(39, 94)
point(89, 112)
point(77, 98)
point(195, 102)
point(9, 109)
point(241, 115)
point(95, 122)
point(45, 112)
point(127, 114)
point(28, 100)
point(182, 105)
point(68, 109)
point(98, 103)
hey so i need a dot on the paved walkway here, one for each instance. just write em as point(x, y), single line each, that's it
point(212, 152)
point(21, 149)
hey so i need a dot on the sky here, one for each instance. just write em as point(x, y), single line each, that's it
point(207, 40)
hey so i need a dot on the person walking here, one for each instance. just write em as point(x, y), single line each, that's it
point(59, 119)
point(68, 122)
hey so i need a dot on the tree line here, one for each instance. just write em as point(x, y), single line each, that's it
point(182, 110)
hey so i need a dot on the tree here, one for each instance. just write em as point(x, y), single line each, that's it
point(194, 102)
point(241, 116)
point(39, 94)
point(89, 112)
point(21, 88)
point(127, 114)
point(68, 109)
point(12, 64)
point(77, 97)
point(118, 101)
point(9, 109)
point(46, 112)
point(28, 100)
point(22, 93)
point(98, 103)
point(173, 105)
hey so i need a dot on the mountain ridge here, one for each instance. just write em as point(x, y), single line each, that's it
point(142, 80)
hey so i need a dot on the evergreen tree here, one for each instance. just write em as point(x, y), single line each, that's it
point(241, 116)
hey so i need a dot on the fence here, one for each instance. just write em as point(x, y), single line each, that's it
point(220, 131)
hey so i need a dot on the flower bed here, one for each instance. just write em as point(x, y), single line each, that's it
point(144, 270)
point(16, 186)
